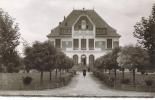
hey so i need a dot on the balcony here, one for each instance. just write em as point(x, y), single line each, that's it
point(83, 33)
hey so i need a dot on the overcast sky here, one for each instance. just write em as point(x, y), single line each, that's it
point(37, 17)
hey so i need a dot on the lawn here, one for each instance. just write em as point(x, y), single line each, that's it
point(139, 79)
point(14, 81)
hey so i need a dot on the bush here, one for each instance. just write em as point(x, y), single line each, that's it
point(27, 80)
point(142, 72)
point(125, 81)
point(149, 82)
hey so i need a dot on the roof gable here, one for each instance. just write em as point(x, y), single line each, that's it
point(75, 14)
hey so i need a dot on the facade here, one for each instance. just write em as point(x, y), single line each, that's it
point(84, 36)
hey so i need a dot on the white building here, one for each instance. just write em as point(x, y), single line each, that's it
point(84, 36)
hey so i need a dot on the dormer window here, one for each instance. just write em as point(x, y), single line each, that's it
point(83, 24)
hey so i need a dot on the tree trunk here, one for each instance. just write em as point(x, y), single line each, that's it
point(134, 77)
point(41, 77)
point(115, 73)
point(56, 72)
point(67, 70)
point(50, 75)
point(123, 73)
point(60, 72)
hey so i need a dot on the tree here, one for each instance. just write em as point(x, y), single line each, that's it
point(114, 62)
point(145, 32)
point(107, 59)
point(133, 57)
point(9, 36)
point(40, 56)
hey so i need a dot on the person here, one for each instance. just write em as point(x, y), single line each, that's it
point(84, 72)
point(88, 69)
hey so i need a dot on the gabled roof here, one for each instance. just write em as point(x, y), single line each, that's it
point(75, 14)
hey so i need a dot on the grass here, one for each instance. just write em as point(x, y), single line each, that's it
point(140, 81)
point(14, 81)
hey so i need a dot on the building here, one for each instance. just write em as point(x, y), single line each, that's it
point(84, 36)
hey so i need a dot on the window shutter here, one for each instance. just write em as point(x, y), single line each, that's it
point(109, 43)
point(75, 44)
point(91, 44)
point(83, 44)
point(58, 43)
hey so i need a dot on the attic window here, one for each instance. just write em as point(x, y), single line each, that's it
point(101, 30)
point(83, 24)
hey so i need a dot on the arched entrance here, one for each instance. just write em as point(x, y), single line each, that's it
point(83, 60)
point(91, 61)
point(75, 59)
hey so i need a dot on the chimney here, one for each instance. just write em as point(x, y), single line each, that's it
point(59, 23)
point(64, 17)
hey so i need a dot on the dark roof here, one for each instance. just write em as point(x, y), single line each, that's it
point(74, 15)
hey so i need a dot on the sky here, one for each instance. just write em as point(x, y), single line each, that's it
point(37, 17)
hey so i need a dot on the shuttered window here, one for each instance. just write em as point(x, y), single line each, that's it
point(58, 43)
point(91, 44)
point(109, 43)
point(75, 44)
point(83, 44)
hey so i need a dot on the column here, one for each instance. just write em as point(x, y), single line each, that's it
point(87, 44)
point(79, 44)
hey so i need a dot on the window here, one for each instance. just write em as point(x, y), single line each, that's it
point(91, 44)
point(65, 30)
point(116, 44)
point(58, 43)
point(66, 44)
point(52, 42)
point(83, 24)
point(83, 44)
point(75, 44)
point(100, 44)
point(109, 43)
point(101, 30)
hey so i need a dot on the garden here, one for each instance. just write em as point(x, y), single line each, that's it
point(131, 67)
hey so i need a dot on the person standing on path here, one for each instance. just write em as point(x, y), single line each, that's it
point(84, 72)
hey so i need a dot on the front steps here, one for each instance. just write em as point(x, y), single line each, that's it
point(79, 67)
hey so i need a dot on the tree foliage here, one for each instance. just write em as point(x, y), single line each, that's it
point(9, 36)
point(145, 32)
point(44, 56)
point(131, 57)
point(40, 56)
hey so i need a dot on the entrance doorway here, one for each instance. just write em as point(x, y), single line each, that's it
point(75, 59)
point(83, 60)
